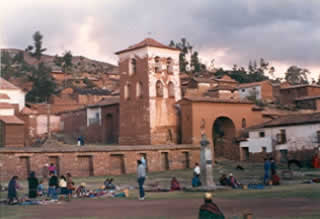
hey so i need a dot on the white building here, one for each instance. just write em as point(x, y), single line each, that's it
point(11, 94)
point(287, 134)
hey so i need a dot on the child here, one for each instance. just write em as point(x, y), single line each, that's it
point(40, 188)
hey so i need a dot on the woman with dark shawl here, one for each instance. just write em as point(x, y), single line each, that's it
point(33, 185)
point(210, 210)
point(12, 190)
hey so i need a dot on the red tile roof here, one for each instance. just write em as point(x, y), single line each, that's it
point(253, 84)
point(11, 120)
point(4, 84)
point(106, 102)
point(6, 106)
point(148, 42)
point(300, 86)
point(28, 111)
point(216, 100)
point(4, 96)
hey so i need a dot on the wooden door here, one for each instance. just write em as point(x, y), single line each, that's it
point(164, 161)
point(25, 166)
point(186, 159)
point(117, 164)
point(85, 165)
point(109, 129)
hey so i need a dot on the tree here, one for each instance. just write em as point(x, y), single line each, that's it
point(42, 81)
point(43, 84)
point(65, 62)
point(38, 50)
point(195, 63)
point(296, 75)
point(185, 47)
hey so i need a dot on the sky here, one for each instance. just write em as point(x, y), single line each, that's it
point(283, 32)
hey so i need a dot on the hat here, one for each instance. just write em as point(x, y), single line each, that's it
point(230, 174)
point(83, 184)
point(208, 195)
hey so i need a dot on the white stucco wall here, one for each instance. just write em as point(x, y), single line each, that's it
point(6, 112)
point(245, 92)
point(299, 137)
point(91, 114)
point(16, 97)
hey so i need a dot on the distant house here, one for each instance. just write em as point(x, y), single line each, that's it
point(288, 95)
point(262, 90)
point(288, 137)
point(12, 100)
point(97, 123)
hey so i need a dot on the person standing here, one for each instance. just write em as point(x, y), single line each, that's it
point(70, 186)
point(141, 174)
point(12, 190)
point(266, 171)
point(53, 184)
point(33, 185)
point(52, 168)
point(196, 170)
point(209, 209)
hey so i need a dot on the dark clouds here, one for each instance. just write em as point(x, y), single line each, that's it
point(284, 32)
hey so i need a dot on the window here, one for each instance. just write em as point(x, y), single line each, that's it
point(171, 90)
point(133, 67)
point(283, 137)
point(139, 89)
point(264, 149)
point(243, 90)
point(261, 134)
point(127, 91)
point(157, 67)
point(169, 66)
point(244, 123)
point(159, 89)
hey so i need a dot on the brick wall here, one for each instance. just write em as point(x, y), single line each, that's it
point(103, 161)
point(13, 135)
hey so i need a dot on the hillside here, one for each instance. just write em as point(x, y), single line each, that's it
point(81, 64)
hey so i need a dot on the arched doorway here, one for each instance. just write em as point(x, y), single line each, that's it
point(223, 133)
point(109, 127)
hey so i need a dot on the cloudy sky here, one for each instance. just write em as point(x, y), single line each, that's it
point(284, 32)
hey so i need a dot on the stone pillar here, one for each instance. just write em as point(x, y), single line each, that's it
point(206, 163)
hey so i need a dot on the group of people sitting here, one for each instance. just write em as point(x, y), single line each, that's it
point(229, 181)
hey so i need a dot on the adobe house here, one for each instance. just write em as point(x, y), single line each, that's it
point(222, 120)
point(288, 95)
point(11, 131)
point(96, 123)
point(288, 137)
point(223, 92)
point(149, 89)
point(263, 90)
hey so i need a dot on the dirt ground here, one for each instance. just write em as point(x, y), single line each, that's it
point(187, 208)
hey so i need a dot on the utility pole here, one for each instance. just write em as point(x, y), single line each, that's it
point(48, 119)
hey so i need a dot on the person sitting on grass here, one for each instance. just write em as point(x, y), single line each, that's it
point(224, 181)
point(275, 179)
point(209, 210)
point(81, 191)
point(175, 185)
point(108, 185)
point(233, 182)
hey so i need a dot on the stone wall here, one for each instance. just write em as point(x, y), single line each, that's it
point(96, 160)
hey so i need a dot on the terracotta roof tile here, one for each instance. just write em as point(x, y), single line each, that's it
point(11, 120)
point(28, 111)
point(4, 96)
point(299, 86)
point(4, 84)
point(6, 106)
point(106, 102)
point(216, 100)
point(148, 42)
point(253, 84)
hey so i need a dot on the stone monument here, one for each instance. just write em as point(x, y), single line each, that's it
point(206, 163)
